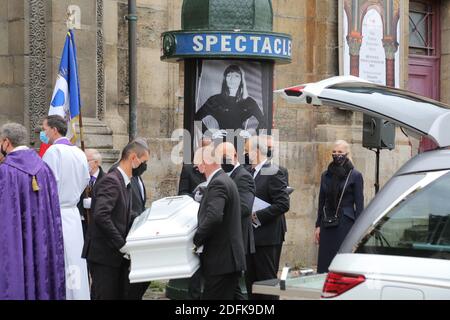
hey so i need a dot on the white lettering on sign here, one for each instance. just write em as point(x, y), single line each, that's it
point(277, 45)
point(289, 48)
point(267, 48)
point(252, 44)
point(198, 43)
point(239, 46)
point(225, 43)
point(210, 41)
point(255, 42)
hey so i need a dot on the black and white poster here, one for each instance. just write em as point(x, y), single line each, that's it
point(230, 98)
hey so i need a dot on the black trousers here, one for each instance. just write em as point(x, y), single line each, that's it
point(109, 283)
point(262, 265)
point(136, 290)
point(220, 287)
point(195, 286)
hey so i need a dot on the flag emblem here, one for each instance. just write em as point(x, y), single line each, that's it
point(66, 94)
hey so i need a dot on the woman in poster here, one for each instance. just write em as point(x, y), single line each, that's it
point(233, 108)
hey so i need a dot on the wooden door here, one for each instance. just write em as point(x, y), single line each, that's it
point(424, 53)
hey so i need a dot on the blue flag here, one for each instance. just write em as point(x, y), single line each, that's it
point(66, 95)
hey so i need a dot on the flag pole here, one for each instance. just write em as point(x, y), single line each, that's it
point(81, 131)
point(70, 22)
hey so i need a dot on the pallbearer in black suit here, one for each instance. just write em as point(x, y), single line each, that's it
point(219, 233)
point(136, 291)
point(105, 241)
point(138, 191)
point(269, 222)
point(246, 188)
point(190, 178)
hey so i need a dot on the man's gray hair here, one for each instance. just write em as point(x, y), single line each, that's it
point(16, 133)
point(95, 155)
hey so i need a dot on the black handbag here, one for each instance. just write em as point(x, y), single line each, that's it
point(333, 221)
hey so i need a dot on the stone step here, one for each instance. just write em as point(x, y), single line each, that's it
point(96, 134)
point(95, 126)
point(109, 158)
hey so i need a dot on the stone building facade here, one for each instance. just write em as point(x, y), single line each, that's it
point(32, 34)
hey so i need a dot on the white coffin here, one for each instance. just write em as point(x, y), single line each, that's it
point(160, 241)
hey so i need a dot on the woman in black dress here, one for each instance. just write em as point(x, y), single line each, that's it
point(233, 108)
point(347, 204)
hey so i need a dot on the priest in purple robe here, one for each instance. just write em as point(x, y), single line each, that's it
point(31, 250)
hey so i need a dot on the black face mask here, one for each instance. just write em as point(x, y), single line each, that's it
point(139, 170)
point(227, 166)
point(3, 151)
point(269, 153)
point(246, 158)
point(339, 159)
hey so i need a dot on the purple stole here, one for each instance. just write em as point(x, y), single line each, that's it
point(64, 141)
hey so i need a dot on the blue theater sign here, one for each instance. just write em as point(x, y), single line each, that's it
point(252, 45)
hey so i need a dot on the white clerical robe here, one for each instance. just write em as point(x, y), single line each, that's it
point(70, 167)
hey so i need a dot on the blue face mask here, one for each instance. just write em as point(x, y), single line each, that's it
point(43, 137)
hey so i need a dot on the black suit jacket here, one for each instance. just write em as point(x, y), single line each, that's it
point(110, 221)
point(272, 189)
point(219, 228)
point(285, 173)
point(190, 178)
point(246, 188)
point(282, 169)
point(137, 202)
point(82, 210)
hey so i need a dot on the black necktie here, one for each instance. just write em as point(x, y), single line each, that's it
point(129, 194)
point(253, 172)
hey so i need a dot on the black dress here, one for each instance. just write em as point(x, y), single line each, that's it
point(351, 207)
point(231, 114)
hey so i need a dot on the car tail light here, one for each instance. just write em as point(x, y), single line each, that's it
point(296, 91)
point(337, 283)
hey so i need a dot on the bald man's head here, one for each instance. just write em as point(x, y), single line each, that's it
point(205, 160)
point(198, 156)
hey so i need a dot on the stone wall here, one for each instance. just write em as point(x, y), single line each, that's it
point(159, 105)
point(12, 40)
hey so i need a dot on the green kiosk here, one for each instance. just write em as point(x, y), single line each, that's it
point(229, 52)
